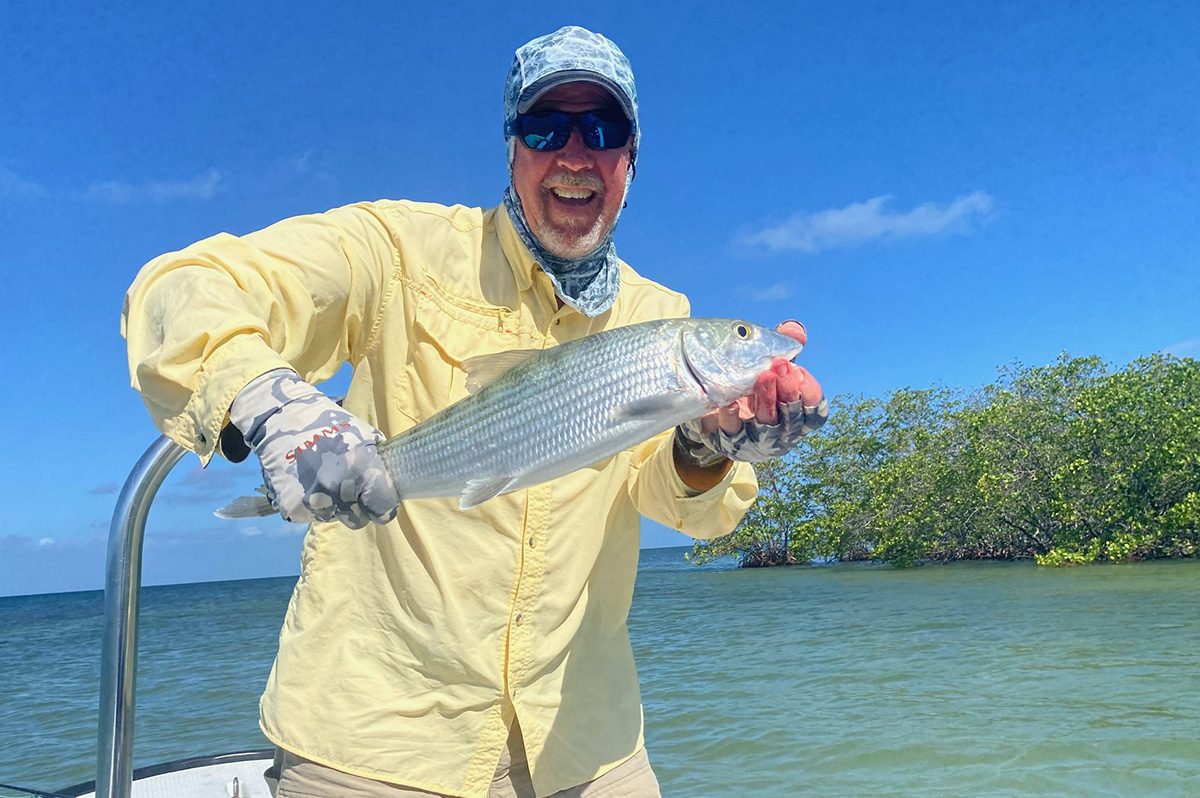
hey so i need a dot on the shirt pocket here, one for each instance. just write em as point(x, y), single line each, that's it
point(446, 330)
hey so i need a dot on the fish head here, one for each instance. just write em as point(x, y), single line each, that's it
point(725, 356)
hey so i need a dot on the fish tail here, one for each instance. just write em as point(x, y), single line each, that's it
point(246, 507)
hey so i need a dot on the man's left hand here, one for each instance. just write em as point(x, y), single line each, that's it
point(787, 404)
point(782, 384)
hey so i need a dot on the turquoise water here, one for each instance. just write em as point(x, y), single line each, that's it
point(963, 680)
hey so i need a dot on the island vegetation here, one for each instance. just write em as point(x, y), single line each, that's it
point(1063, 464)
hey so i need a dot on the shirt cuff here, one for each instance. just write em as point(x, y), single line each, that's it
point(222, 377)
point(661, 495)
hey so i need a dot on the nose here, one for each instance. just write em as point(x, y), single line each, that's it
point(575, 155)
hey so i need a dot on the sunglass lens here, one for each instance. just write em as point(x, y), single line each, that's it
point(544, 131)
point(604, 131)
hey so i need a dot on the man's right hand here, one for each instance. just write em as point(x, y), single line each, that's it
point(319, 462)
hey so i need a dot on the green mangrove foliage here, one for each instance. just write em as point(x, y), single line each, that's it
point(1068, 463)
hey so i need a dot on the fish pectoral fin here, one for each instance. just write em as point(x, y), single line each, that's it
point(662, 406)
point(477, 491)
point(485, 369)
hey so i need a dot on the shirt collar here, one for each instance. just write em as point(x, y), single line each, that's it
point(514, 249)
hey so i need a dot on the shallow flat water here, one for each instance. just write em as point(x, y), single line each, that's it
point(963, 680)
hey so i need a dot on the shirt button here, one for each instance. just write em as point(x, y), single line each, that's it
point(200, 437)
point(531, 544)
point(517, 620)
point(557, 322)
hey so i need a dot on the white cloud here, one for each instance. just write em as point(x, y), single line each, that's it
point(302, 163)
point(201, 187)
point(252, 531)
point(13, 186)
point(287, 530)
point(773, 293)
point(861, 222)
point(1188, 348)
point(308, 166)
point(46, 542)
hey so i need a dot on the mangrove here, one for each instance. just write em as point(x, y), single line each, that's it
point(1064, 464)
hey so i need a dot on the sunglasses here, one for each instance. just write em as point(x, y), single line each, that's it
point(550, 130)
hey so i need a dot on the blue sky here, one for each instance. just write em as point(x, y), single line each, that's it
point(934, 188)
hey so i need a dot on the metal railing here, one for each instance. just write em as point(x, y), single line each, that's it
point(122, 583)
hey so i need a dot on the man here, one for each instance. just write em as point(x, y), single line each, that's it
point(426, 650)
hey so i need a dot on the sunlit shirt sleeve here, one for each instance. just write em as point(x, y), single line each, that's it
point(202, 322)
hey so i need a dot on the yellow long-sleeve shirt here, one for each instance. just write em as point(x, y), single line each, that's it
point(410, 647)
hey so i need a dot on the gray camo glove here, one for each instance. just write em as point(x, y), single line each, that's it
point(319, 462)
point(755, 442)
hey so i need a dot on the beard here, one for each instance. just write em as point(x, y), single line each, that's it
point(565, 234)
point(571, 241)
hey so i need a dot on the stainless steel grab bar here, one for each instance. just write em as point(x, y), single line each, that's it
point(122, 583)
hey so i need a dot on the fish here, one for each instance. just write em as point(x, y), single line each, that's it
point(535, 415)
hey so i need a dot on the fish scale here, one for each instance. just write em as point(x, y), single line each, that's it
point(549, 410)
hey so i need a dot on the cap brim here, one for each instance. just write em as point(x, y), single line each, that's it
point(536, 90)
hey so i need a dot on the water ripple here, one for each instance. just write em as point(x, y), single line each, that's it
point(972, 679)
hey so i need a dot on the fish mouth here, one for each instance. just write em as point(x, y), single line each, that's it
point(688, 364)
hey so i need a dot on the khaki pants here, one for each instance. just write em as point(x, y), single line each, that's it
point(299, 778)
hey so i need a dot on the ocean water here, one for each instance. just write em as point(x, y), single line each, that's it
point(851, 680)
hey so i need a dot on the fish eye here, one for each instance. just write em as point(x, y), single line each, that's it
point(741, 329)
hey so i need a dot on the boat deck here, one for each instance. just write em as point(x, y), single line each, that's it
point(240, 775)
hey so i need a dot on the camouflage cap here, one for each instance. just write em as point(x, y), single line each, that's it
point(571, 54)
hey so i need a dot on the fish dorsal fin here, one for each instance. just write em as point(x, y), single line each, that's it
point(661, 406)
point(477, 491)
point(485, 369)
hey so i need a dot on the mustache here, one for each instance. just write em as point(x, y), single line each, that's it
point(573, 180)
